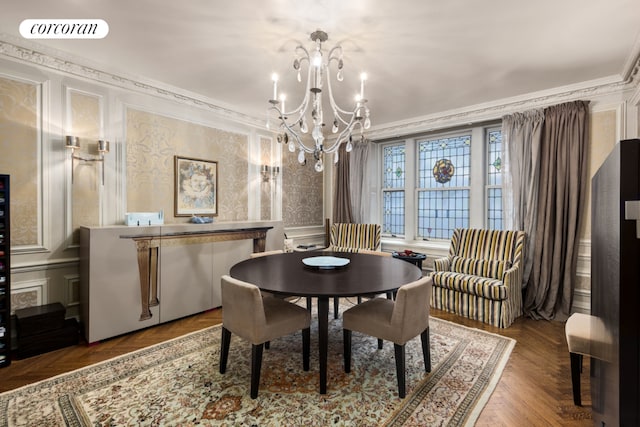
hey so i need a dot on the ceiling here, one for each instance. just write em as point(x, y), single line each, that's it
point(421, 56)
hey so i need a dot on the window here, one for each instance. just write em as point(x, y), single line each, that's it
point(453, 181)
point(393, 190)
point(443, 181)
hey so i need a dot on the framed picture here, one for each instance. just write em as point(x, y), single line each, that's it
point(196, 187)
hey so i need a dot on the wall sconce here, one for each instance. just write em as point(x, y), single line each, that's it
point(73, 143)
point(269, 172)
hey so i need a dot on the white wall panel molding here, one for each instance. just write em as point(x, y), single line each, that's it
point(69, 89)
point(29, 293)
point(584, 258)
point(306, 235)
point(581, 301)
point(41, 265)
point(45, 127)
point(72, 290)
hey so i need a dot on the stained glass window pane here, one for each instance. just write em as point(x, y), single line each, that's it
point(393, 213)
point(450, 155)
point(494, 208)
point(494, 175)
point(494, 179)
point(393, 200)
point(440, 212)
point(394, 166)
point(444, 167)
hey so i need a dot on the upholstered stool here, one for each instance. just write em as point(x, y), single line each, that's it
point(586, 336)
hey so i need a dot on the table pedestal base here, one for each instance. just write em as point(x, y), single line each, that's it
point(323, 340)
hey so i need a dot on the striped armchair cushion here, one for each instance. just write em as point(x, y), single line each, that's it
point(351, 237)
point(485, 287)
point(479, 267)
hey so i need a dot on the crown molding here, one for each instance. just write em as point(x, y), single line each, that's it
point(630, 71)
point(494, 110)
point(33, 54)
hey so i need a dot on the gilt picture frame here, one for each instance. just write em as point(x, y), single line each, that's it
point(196, 187)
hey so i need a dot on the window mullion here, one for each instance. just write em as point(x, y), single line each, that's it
point(477, 199)
point(411, 195)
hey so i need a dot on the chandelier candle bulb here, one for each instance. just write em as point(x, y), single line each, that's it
point(363, 77)
point(274, 77)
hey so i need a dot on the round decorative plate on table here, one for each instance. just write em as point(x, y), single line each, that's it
point(325, 262)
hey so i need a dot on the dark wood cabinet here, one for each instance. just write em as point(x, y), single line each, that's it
point(615, 287)
point(5, 274)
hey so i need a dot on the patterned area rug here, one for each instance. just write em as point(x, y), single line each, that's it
point(178, 383)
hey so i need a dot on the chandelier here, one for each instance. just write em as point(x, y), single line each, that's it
point(295, 122)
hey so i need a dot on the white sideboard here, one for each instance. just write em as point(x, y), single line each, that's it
point(135, 277)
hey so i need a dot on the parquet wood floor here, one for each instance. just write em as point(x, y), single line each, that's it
point(535, 388)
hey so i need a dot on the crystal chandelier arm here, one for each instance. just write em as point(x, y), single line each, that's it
point(342, 136)
point(292, 132)
point(334, 105)
point(297, 65)
point(304, 49)
point(335, 58)
point(301, 109)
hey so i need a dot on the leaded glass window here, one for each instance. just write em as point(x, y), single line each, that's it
point(393, 195)
point(494, 179)
point(444, 166)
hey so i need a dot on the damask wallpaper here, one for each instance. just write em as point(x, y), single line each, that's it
point(301, 192)
point(153, 140)
point(602, 133)
point(19, 128)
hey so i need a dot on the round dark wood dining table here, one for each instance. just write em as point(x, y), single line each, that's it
point(286, 274)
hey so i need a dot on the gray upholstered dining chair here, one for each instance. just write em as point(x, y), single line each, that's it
point(266, 253)
point(398, 321)
point(274, 252)
point(259, 320)
point(377, 253)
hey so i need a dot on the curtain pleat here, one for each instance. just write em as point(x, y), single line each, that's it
point(342, 201)
point(562, 190)
point(522, 136)
point(359, 181)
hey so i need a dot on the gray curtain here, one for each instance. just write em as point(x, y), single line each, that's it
point(342, 200)
point(359, 181)
point(521, 138)
point(562, 187)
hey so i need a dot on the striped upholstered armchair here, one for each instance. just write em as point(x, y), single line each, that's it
point(353, 237)
point(348, 237)
point(482, 277)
